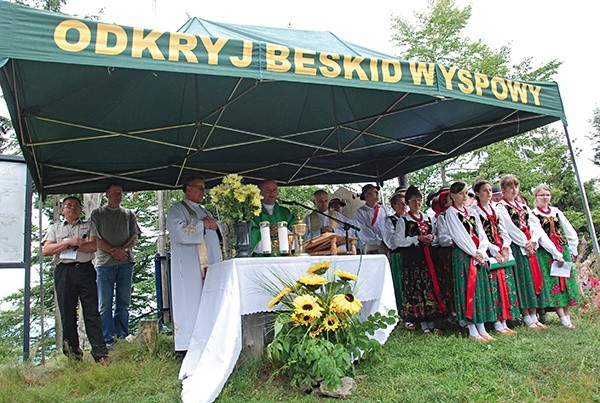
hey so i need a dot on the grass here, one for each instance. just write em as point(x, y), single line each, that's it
point(555, 365)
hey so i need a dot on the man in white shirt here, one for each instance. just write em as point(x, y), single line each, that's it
point(371, 218)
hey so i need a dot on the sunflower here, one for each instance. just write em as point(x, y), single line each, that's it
point(331, 322)
point(307, 305)
point(278, 297)
point(302, 319)
point(345, 303)
point(345, 276)
point(312, 281)
point(319, 268)
point(315, 330)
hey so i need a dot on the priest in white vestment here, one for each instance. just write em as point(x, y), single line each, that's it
point(194, 245)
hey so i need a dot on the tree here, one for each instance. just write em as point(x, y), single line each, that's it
point(595, 136)
point(437, 37)
point(50, 5)
point(535, 157)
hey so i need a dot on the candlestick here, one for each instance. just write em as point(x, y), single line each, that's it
point(282, 235)
point(265, 237)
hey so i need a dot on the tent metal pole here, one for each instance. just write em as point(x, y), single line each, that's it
point(586, 206)
point(27, 261)
point(42, 310)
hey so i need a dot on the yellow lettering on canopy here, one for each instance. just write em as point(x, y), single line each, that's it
point(518, 92)
point(332, 69)
point(139, 42)
point(184, 43)
point(502, 92)
point(300, 62)
point(481, 82)
point(246, 58)
point(392, 71)
point(373, 69)
point(60, 36)
point(277, 58)
point(213, 49)
point(535, 91)
point(464, 76)
point(352, 64)
point(448, 75)
point(102, 34)
point(422, 70)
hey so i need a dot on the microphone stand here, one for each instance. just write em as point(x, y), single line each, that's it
point(347, 226)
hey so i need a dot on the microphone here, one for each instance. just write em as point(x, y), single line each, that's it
point(286, 202)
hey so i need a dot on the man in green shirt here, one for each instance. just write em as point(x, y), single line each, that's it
point(271, 212)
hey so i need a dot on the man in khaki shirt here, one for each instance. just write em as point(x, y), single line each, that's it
point(73, 243)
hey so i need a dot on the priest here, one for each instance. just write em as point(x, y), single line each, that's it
point(271, 212)
point(195, 243)
point(318, 224)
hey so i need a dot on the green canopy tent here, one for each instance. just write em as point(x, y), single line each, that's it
point(92, 102)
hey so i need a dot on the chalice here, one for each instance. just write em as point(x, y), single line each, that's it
point(299, 229)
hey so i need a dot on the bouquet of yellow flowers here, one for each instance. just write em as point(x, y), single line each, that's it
point(318, 331)
point(235, 201)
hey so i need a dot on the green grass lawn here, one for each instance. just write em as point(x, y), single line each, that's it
point(553, 365)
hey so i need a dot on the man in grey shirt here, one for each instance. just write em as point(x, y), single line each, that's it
point(118, 232)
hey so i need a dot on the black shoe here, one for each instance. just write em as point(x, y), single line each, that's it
point(75, 354)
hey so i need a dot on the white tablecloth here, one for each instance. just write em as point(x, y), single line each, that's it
point(235, 287)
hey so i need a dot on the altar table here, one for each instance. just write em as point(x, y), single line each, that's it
point(236, 287)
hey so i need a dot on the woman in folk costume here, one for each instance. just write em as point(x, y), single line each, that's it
point(442, 250)
point(563, 292)
point(472, 289)
point(524, 230)
point(397, 203)
point(421, 297)
point(504, 286)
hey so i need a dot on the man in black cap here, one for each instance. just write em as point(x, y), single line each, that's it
point(370, 218)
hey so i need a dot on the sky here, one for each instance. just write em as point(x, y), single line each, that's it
point(542, 29)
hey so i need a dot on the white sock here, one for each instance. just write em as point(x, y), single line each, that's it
point(528, 320)
point(569, 319)
point(462, 323)
point(424, 326)
point(481, 329)
point(431, 325)
point(472, 330)
point(564, 320)
point(498, 326)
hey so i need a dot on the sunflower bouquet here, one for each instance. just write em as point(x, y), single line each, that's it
point(318, 329)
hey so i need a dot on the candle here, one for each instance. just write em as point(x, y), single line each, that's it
point(265, 237)
point(282, 234)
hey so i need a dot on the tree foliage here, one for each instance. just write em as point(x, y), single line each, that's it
point(595, 135)
point(536, 157)
point(50, 5)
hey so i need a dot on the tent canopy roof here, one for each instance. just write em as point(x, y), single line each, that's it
point(93, 103)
